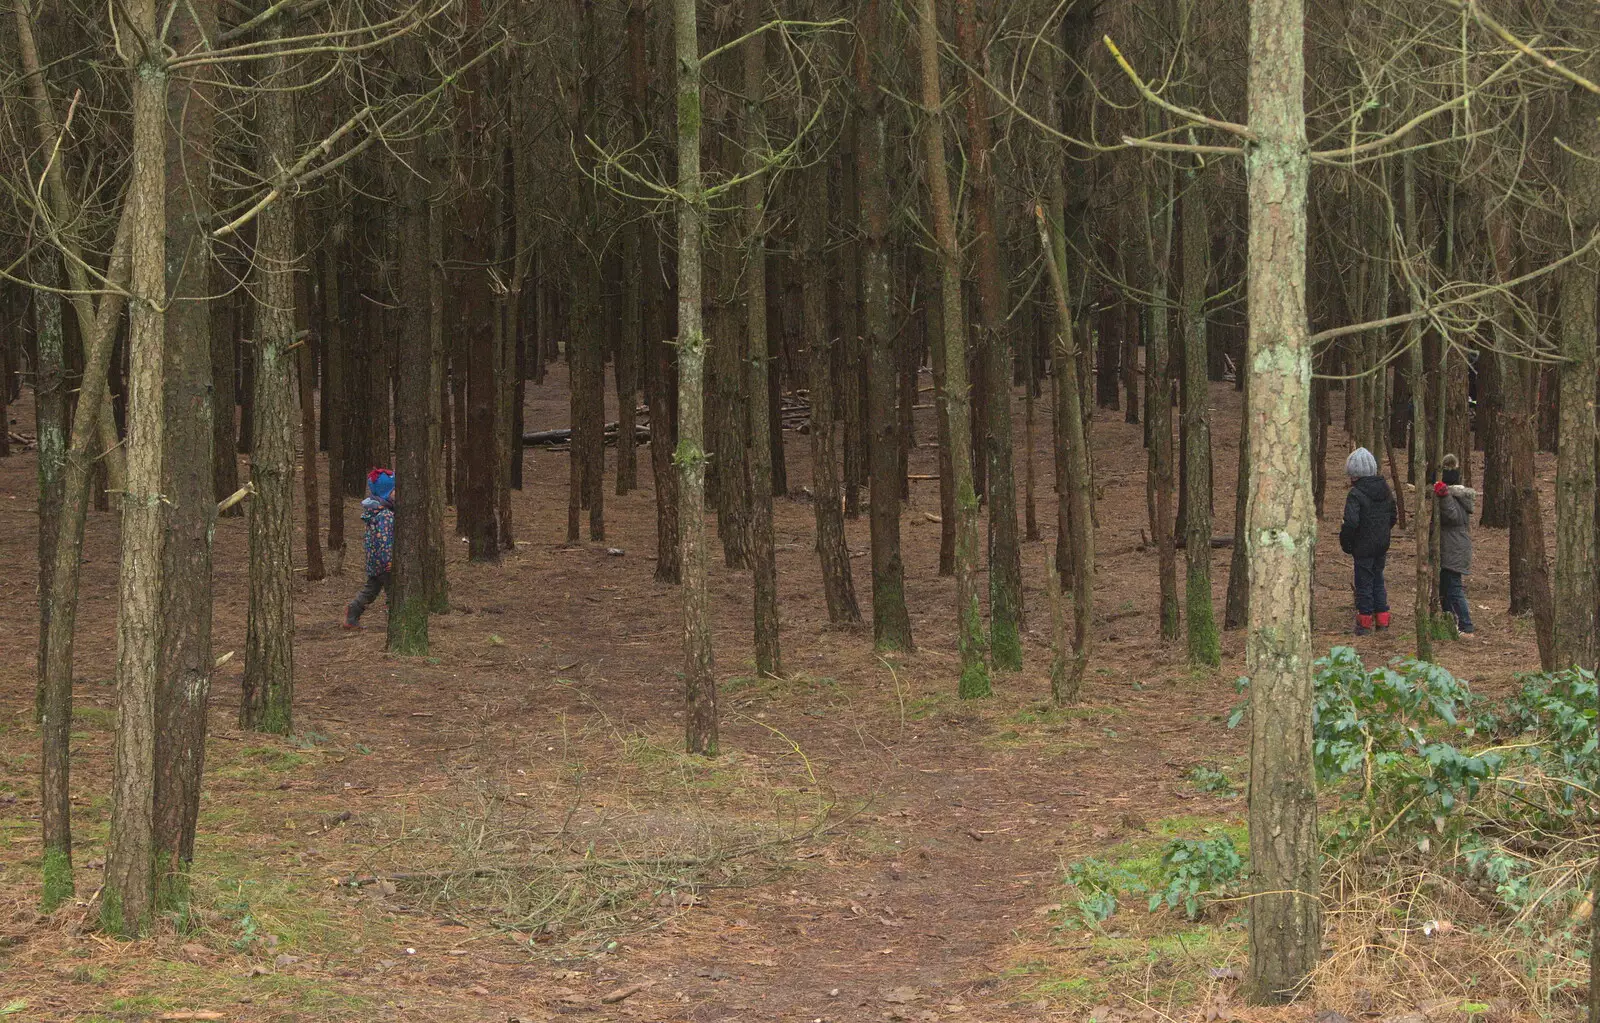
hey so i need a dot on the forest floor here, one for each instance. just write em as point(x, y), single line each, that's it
point(507, 829)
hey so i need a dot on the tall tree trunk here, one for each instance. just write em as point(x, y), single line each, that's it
point(269, 634)
point(994, 346)
point(634, 353)
point(306, 381)
point(1285, 915)
point(186, 662)
point(1158, 401)
point(586, 347)
point(1530, 572)
point(410, 600)
point(439, 474)
point(700, 684)
point(1493, 370)
point(663, 434)
point(729, 422)
point(1237, 613)
point(837, 584)
point(1074, 486)
point(1108, 368)
point(127, 898)
point(1423, 521)
point(224, 386)
point(891, 624)
point(1132, 334)
point(49, 370)
point(480, 440)
point(506, 331)
point(1030, 387)
point(845, 283)
point(933, 326)
point(67, 559)
point(1205, 651)
point(1575, 584)
point(333, 386)
point(974, 682)
point(763, 546)
point(50, 426)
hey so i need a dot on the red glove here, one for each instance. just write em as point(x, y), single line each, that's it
point(1439, 489)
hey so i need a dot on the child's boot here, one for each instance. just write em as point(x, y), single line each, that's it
point(352, 615)
point(1383, 620)
point(1363, 624)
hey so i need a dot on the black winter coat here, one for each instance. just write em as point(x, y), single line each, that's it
point(1369, 515)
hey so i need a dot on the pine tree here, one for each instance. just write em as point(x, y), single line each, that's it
point(700, 685)
point(1285, 921)
point(891, 624)
point(974, 682)
point(127, 898)
point(268, 700)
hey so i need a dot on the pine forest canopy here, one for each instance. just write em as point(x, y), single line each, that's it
point(331, 235)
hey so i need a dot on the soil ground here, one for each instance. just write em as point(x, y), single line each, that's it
point(506, 830)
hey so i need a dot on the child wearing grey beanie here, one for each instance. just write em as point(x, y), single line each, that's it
point(1369, 516)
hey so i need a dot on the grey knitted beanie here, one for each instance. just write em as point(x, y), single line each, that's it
point(1361, 463)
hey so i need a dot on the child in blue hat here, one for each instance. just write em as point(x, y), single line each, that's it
point(377, 511)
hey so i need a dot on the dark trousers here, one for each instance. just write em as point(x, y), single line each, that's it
point(369, 593)
point(1453, 597)
point(1372, 596)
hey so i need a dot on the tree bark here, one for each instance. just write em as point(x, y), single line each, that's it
point(1575, 584)
point(661, 348)
point(333, 354)
point(188, 484)
point(1237, 613)
point(891, 623)
point(1075, 486)
point(1422, 521)
point(67, 559)
point(1285, 921)
point(850, 363)
point(268, 700)
point(700, 684)
point(49, 380)
point(837, 584)
point(1205, 651)
point(974, 682)
point(505, 337)
point(1158, 404)
point(994, 346)
point(633, 349)
point(127, 898)
point(480, 440)
point(409, 599)
point(933, 326)
point(763, 545)
point(50, 441)
point(436, 584)
point(306, 382)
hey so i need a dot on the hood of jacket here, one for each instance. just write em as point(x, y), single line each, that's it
point(1374, 488)
point(1463, 492)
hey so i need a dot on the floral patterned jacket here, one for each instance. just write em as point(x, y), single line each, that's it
point(379, 539)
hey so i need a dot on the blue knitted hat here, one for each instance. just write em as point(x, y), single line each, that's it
point(381, 483)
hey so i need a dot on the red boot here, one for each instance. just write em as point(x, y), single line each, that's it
point(1363, 624)
point(1383, 619)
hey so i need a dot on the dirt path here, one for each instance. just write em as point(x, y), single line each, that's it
point(550, 714)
